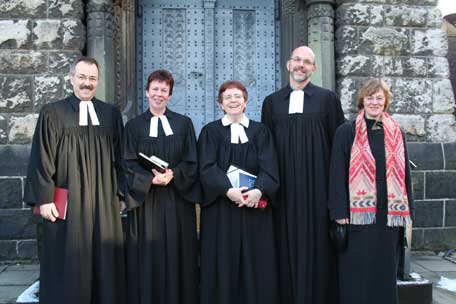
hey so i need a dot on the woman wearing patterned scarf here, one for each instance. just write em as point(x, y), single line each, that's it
point(371, 193)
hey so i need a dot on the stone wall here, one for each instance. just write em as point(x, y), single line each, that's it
point(403, 43)
point(38, 41)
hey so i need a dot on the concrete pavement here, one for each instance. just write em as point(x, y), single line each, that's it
point(15, 278)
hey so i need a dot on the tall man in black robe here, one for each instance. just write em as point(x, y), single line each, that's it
point(77, 146)
point(303, 119)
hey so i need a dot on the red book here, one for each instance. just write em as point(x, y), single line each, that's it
point(262, 203)
point(60, 201)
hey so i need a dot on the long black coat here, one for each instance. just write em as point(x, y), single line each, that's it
point(238, 260)
point(82, 259)
point(368, 268)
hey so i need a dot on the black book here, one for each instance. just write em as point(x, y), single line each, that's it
point(152, 162)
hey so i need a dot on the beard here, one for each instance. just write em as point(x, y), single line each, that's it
point(300, 78)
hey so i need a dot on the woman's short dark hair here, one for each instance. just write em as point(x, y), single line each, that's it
point(162, 76)
point(232, 84)
point(371, 87)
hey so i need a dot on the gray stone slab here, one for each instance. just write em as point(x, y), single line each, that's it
point(24, 267)
point(18, 278)
point(415, 267)
point(2, 267)
point(9, 294)
point(437, 265)
point(428, 214)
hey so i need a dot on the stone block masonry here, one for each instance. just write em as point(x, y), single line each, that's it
point(403, 43)
point(38, 41)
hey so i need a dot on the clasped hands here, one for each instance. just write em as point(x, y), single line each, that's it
point(248, 199)
point(162, 179)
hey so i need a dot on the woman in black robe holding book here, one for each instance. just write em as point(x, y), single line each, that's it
point(238, 262)
point(161, 232)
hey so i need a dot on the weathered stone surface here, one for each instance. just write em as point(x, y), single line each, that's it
point(48, 89)
point(450, 213)
point(428, 42)
point(7, 250)
point(442, 96)
point(439, 239)
point(411, 124)
point(377, 66)
point(14, 34)
point(67, 86)
point(65, 8)
point(426, 156)
point(384, 41)
point(16, 224)
point(438, 67)
point(418, 184)
point(441, 128)
point(357, 14)
point(413, 2)
point(10, 193)
point(404, 66)
point(21, 128)
point(60, 62)
point(434, 18)
point(346, 40)
point(414, 66)
point(23, 62)
point(3, 129)
point(23, 9)
point(27, 249)
point(428, 214)
point(46, 34)
point(347, 91)
point(449, 150)
point(412, 96)
point(73, 34)
point(15, 94)
point(440, 185)
point(396, 15)
point(14, 159)
point(417, 238)
point(354, 65)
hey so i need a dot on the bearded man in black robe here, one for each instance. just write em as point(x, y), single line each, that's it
point(303, 119)
point(77, 146)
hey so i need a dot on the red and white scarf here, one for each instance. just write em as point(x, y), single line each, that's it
point(362, 187)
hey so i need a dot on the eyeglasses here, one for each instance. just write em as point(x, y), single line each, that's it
point(82, 77)
point(229, 97)
point(299, 60)
point(375, 98)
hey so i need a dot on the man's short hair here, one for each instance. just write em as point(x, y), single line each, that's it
point(161, 76)
point(88, 60)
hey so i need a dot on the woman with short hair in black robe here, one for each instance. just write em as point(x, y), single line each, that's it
point(370, 192)
point(238, 262)
point(161, 231)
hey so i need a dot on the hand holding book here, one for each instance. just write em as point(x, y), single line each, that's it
point(162, 179)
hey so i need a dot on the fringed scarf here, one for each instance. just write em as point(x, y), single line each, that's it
point(362, 187)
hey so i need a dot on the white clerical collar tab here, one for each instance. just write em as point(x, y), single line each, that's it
point(153, 130)
point(237, 129)
point(296, 102)
point(244, 121)
point(87, 109)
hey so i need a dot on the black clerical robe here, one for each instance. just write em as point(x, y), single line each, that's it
point(162, 249)
point(303, 143)
point(368, 267)
point(83, 256)
point(238, 260)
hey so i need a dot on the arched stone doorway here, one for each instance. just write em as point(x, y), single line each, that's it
point(204, 42)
